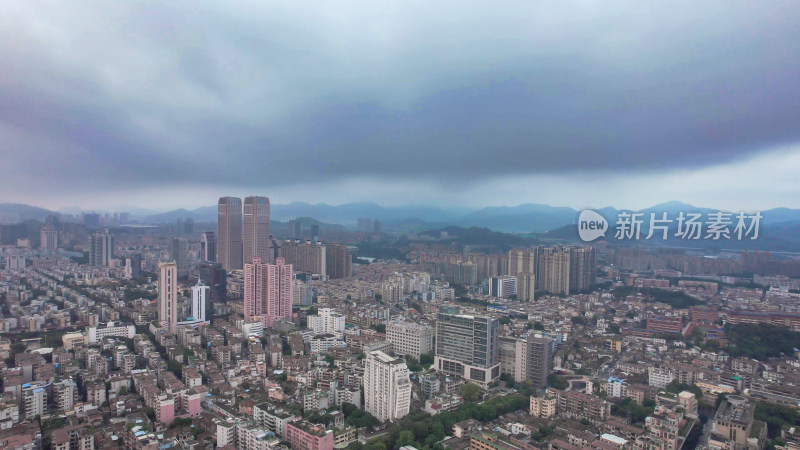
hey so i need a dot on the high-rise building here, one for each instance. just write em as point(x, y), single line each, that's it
point(179, 252)
point(295, 229)
point(49, 239)
point(338, 261)
point(410, 338)
point(133, 266)
point(387, 387)
point(208, 247)
point(526, 286)
point(213, 275)
point(256, 240)
point(523, 261)
point(229, 233)
point(554, 270)
point(199, 296)
point(504, 286)
point(582, 269)
point(267, 291)
point(467, 346)
point(168, 296)
point(534, 359)
point(314, 233)
point(305, 256)
point(101, 249)
point(302, 293)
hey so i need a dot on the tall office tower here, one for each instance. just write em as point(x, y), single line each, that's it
point(49, 239)
point(306, 256)
point(168, 296)
point(229, 233)
point(387, 387)
point(467, 346)
point(179, 252)
point(199, 295)
point(256, 240)
point(101, 249)
point(376, 227)
point(583, 268)
point(526, 286)
point(314, 233)
point(534, 359)
point(523, 261)
point(267, 291)
point(554, 270)
point(302, 293)
point(208, 247)
point(338, 261)
point(503, 286)
point(213, 275)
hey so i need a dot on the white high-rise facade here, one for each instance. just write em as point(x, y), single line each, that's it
point(327, 321)
point(387, 387)
point(199, 296)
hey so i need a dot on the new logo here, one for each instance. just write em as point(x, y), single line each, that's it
point(591, 225)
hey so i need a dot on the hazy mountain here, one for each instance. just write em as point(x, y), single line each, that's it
point(26, 212)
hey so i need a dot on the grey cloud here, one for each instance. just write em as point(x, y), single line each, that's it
point(273, 95)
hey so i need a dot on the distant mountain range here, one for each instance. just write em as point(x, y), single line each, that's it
point(527, 218)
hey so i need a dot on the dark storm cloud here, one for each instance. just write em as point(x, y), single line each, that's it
point(274, 95)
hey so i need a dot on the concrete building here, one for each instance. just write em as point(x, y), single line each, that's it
point(168, 296)
point(208, 246)
point(503, 286)
point(306, 256)
point(338, 261)
point(387, 387)
point(96, 334)
point(328, 321)
point(302, 435)
point(409, 338)
point(267, 291)
point(467, 346)
point(49, 239)
point(255, 237)
point(179, 252)
point(534, 359)
point(101, 249)
point(229, 233)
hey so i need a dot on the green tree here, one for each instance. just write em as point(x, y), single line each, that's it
point(471, 392)
point(406, 438)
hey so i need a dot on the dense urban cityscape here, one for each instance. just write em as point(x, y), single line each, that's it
point(399, 225)
point(253, 334)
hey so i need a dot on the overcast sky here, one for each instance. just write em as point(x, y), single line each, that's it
point(475, 103)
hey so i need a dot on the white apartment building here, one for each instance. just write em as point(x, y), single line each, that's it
point(410, 338)
point(387, 387)
point(96, 334)
point(327, 321)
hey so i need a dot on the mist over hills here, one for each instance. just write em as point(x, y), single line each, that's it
point(526, 218)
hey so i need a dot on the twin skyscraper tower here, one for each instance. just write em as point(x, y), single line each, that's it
point(243, 231)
